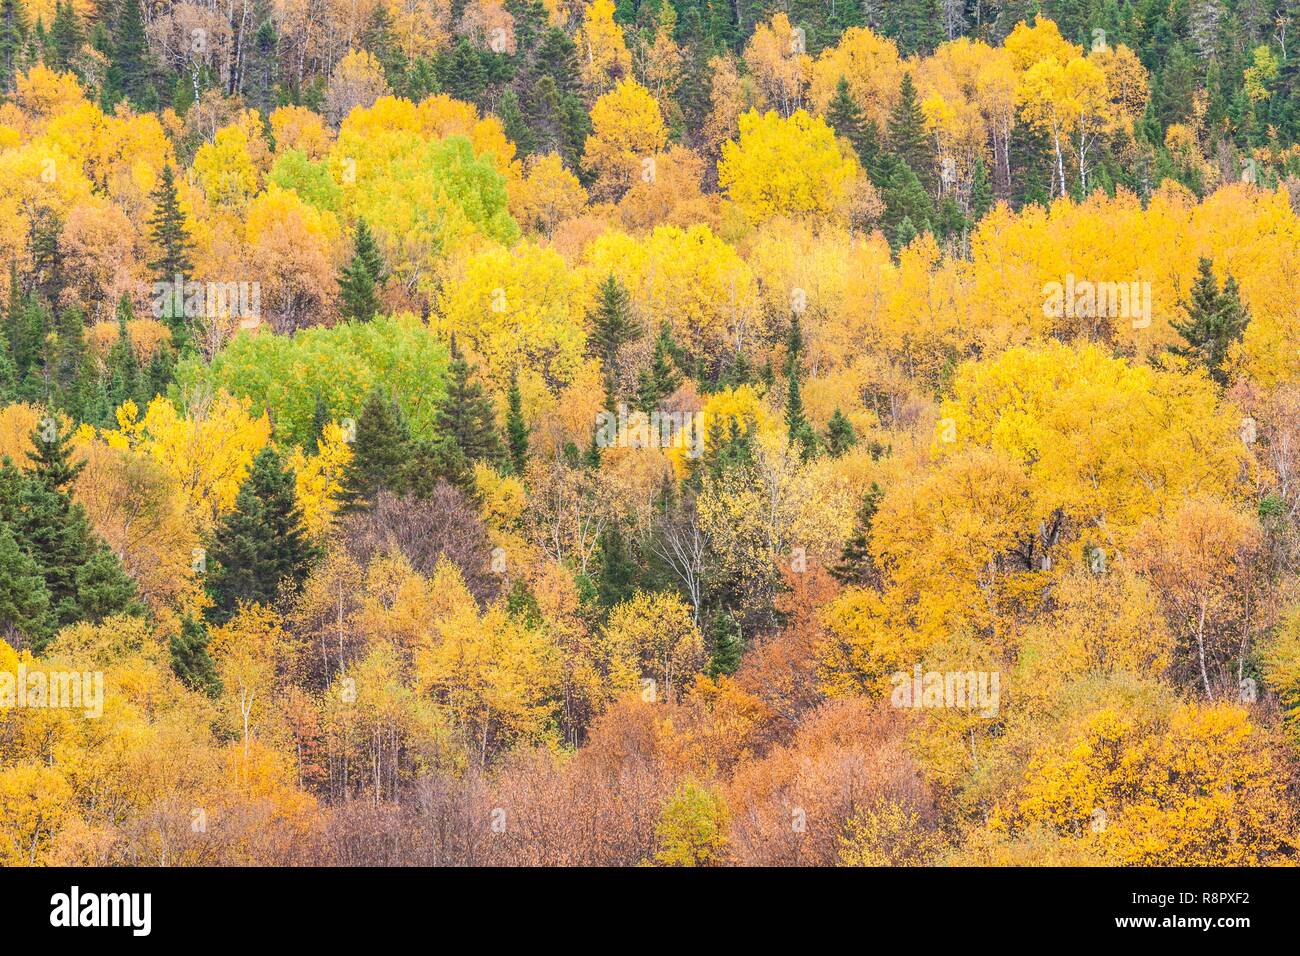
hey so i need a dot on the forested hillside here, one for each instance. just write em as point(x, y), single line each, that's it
point(676, 433)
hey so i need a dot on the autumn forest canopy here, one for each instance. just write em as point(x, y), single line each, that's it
point(663, 433)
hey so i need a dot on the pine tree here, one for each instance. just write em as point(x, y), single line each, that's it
point(260, 550)
point(168, 232)
point(83, 578)
point(981, 192)
point(50, 457)
point(1215, 321)
point(380, 453)
point(66, 36)
point(661, 379)
point(26, 327)
point(24, 599)
point(320, 417)
point(8, 374)
point(907, 137)
point(616, 572)
point(14, 31)
point(515, 125)
point(67, 362)
point(430, 463)
point(190, 659)
point(47, 256)
point(516, 428)
point(128, 71)
point(856, 566)
point(461, 72)
point(847, 119)
point(905, 200)
point(379, 40)
point(465, 416)
point(612, 326)
point(123, 368)
point(840, 435)
point(728, 645)
point(360, 279)
point(169, 235)
point(798, 429)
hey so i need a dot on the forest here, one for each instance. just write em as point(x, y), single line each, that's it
point(852, 433)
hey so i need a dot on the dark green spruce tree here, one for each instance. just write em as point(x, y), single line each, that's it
point(840, 435)
point(260, 550)
point(190, 659)
point(727, 644)
point(129, 73)
point(465, 416)
point(361, 278)
point(662, 378)
point(1215, 321)
point(15, 28)
point(171, 239)
point(612, 326)
point(66, 37)
point(516, 427)
point(83, 578)
point(907, 137)
point(856, 566)
point(381, 452)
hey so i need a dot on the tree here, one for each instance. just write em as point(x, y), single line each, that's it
point(1215, 321)
point(24, 599)
point(83, 578)
point(465, 416)
point(791, 166)
point(981, 192)
point(856, 566)
point(516, 427)
point(627, 131)
point(799, 430)
point(14, 29)
point(68, 362)
point(129, 68)
point(380, 453)
point(260, 549)
point(190, 659)
point(615, 570)
point(727, 643)
point(692, 828)
point(908, 209)
point(360, 279)
point(66, 36)
point(123, 368)
point(847, 119)
point(907, 136)
point(172, 266)
point(612, 326)
point(662, 378)
point(168, 232)
point(840, 435)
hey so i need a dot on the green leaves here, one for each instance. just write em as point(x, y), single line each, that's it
point(340, 365)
